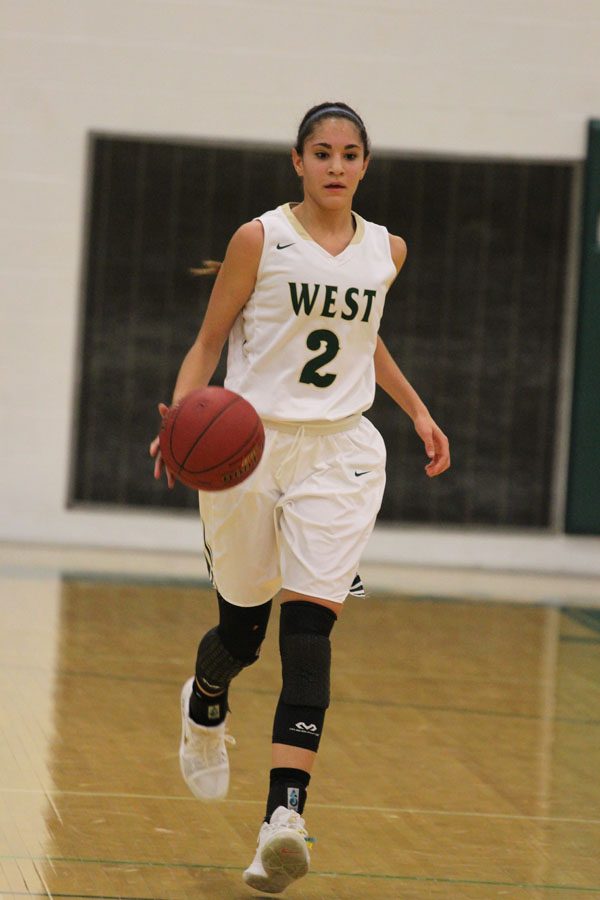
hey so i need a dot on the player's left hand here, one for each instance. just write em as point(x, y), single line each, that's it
point(436, 443)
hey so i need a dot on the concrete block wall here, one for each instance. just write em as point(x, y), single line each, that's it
point(508, 78)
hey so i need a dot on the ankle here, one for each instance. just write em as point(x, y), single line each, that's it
point(287, 787)
point(207, 709)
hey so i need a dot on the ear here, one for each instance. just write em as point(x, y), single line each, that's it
point(365, 167)
point(297, 162)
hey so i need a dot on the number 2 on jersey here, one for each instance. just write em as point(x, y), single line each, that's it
point(310, 373)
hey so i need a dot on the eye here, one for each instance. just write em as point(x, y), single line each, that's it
point(351, 156)
point(321, 154)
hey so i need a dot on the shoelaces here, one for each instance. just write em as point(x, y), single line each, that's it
point(210, 744)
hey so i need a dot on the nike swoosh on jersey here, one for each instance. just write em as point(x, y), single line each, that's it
point(283, 246)
point(366, 472)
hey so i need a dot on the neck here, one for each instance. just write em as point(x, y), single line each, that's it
point(315, 217)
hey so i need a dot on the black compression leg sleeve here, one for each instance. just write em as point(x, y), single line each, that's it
point(234, 644)
point(305, 648)
point(242, 629)
point(222, 654)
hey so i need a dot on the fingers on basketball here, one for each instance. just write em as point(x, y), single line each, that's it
point(212, 440)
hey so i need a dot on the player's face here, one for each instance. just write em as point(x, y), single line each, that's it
point(332, 163)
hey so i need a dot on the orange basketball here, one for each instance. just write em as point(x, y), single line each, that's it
point(212, 439)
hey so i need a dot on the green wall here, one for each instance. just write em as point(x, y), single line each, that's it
point(583, 496)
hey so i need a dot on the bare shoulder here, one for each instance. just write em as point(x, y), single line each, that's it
point(398, 250)
point(237, 273)
point(243, 254)
point(248, 238)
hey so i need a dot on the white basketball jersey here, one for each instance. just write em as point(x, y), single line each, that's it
point(302, 347)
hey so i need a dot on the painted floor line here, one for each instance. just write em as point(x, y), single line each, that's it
point(342, 807)
point(376, 876)
point(77, 896)
point(382, 704)
point(162, 579)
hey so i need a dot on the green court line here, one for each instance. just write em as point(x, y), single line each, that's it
point(127, 579)
point(78, 894)
point(384, 704)
point(574, 639)
point(341, 807)
point(589, 618)
point(183, 581)
point(415, 879)
point(186, 581)
point(132, 579)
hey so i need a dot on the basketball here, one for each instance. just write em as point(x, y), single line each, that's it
point(212, 440)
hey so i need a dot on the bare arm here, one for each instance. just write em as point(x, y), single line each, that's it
point(389, 377)
point(234, 284)
point(395, 384)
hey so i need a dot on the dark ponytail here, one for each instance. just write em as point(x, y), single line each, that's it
point(207, 267)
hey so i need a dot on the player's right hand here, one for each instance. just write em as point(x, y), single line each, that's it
point(155, 453)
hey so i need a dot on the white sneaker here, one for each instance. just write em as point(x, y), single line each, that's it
point(202, 753)
point(282, 854)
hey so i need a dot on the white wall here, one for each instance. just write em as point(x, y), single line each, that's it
point(509, 78)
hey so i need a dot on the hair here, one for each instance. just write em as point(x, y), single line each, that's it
point(330, 110)
point(207, 267)
point(307, 126)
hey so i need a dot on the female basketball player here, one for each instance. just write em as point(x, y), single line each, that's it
point(299, 296)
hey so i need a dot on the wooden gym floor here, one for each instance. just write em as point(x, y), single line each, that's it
point(461, 754)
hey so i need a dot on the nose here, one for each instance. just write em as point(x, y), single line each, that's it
point(336, 164)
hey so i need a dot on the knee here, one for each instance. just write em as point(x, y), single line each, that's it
point(242, 629)
point(305, 649)
point(233, 645)
point(304, 630)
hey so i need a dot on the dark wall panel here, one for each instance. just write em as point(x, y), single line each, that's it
point(473, 320)
point(583, 498)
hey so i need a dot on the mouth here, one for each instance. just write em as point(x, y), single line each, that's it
point(335, 186)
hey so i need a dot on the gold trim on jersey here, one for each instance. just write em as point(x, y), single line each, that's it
point(359, 231)
point(313, 426)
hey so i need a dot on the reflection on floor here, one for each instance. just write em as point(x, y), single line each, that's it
point(460, 757)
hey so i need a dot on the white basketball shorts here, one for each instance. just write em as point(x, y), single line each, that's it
point(302, 519)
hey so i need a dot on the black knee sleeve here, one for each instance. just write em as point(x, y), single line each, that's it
point(242, 629)
point(233, 645)
point(305, 649)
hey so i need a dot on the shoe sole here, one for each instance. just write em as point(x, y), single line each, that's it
point(266, 885)
point(285, 859)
